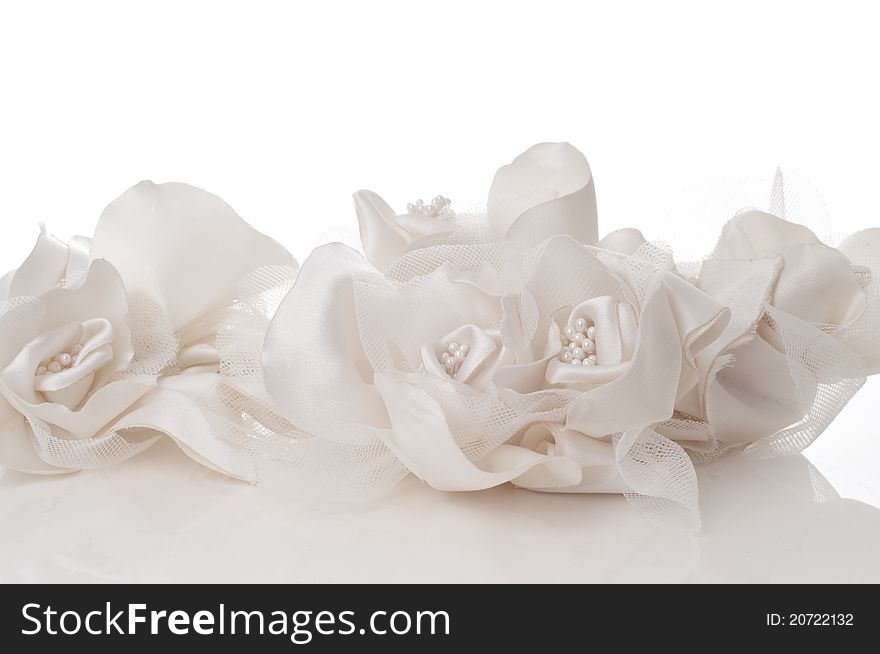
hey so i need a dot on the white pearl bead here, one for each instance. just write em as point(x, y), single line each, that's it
point(588, 345)
point(444, 356)
point(578, 353)
point(42, 370)
point(569, 333)
point(453, 348)
point(459, 354)
point(54, 367)
point(592, 358)
point(566, 356)
point(580, 324)
point(577, 362)
point(589, 362)
point(64, 359)
point(578, 337)
point(591, 332)
point(464, 348)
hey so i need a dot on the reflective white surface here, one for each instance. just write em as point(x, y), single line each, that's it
point(161, 517)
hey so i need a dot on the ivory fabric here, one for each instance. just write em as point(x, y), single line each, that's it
point(469, 349)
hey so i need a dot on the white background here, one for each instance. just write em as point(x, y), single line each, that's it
point(285, 108)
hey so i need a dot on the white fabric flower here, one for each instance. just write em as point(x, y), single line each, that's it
point(816, 283)
point(547, 190)
point(374, 351)
point(107, 343)
point(449, 363)
point(66, 339)
point(636, 332)
point(785, 365)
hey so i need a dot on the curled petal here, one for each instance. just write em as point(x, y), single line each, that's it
point(382, 240)
point(182, 246)
point(420, 437)
point(599, 470)
point(755, 235)
point(43, 269)
point(701, 321)
point(95, 416)
point(745, 288)
point(645, 393)
point(623, 241)
point(756, 396)
point(818, 285)
point(545, 191)
point(172, 409)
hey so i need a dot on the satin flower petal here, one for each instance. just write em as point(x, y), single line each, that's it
point(545, 191)
point(182, 246)
point(382, 240)
point(420, 437)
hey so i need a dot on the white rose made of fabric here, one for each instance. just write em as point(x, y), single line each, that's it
point(106, 342)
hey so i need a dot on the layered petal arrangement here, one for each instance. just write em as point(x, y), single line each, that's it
point(468, 349)
point(106, 343)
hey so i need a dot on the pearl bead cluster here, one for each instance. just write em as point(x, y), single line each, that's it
point(439, 206)
point(579, 344)
point(59, 362)
point(453, 356)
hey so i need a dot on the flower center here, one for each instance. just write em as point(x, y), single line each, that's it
point(453, 356)
point(80, 350)
point(59, 362)
point(579, 344)
point(440, 207)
